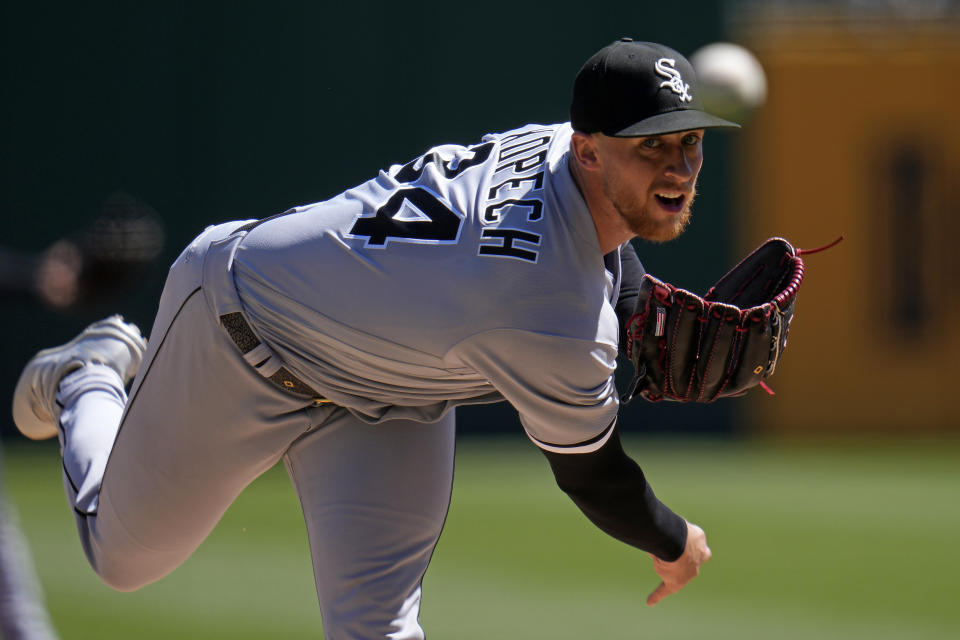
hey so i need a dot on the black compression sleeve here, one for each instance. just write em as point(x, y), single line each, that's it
point(611, 490)
point(631, 271)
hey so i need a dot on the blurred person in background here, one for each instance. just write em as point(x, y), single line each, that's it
point(93, 267)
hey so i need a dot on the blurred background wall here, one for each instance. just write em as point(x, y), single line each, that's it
point(209, 111)
point(859, 137)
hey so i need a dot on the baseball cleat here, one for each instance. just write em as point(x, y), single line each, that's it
point(111, 341)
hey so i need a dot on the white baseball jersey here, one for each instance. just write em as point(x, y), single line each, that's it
point(469, 275)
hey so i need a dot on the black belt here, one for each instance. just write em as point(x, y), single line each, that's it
point(246, 341)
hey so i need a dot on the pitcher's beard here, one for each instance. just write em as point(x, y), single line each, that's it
point(645, 225)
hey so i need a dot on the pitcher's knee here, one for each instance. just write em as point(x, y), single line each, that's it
point(125, 574)
point(122, 581)
point(126, 569)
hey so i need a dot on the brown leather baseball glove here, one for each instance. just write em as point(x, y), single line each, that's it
point(696, 349)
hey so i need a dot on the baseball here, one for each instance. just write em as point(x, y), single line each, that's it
point(732, 82)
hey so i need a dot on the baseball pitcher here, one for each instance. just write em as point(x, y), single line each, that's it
point(339, 336)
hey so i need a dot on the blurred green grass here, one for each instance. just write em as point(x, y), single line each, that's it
point(841, 540)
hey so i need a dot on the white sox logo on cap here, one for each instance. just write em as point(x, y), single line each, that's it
point(665, 67)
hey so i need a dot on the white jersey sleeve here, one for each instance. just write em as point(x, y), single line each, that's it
point(562, 388)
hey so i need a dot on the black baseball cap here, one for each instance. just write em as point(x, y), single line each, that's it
point(630, 89)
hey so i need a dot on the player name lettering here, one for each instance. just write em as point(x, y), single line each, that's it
point(516, 190)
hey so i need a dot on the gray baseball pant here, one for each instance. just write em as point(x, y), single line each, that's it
point(149, 476)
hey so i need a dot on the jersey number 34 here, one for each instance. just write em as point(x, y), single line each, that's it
point(415, 213)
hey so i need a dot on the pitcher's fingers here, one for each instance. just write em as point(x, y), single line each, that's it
point(658, 594)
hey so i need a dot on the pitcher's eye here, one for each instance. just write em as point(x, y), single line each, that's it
point(651, 143)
